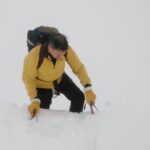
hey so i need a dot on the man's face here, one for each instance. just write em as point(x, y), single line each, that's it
point(55, 52)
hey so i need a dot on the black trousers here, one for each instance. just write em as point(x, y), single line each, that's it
point(66, 87)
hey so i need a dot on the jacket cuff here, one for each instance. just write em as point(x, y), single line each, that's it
point(35, 100)
point(87, 88)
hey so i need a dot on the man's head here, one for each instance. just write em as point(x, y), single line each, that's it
point(57, 45)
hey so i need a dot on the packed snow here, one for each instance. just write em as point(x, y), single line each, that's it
point(60, 129)
point(50, 130)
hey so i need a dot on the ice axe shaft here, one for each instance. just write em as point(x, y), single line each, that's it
point(34, 115)
point(92, 109)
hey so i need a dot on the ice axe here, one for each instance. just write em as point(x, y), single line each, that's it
point(92, 107)
point(34, 115)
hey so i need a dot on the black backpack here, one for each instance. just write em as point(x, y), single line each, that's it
point(39, 35)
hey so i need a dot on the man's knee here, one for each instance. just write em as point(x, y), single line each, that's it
point(45, 105)
point(81, 97)
point(77, 102)
point(45, 95)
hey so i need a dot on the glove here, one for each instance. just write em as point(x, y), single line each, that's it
point(34, 107)
point(90, 95)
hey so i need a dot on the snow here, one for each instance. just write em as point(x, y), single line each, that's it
point(53, 129)
point(111, 37)
point(59, 129)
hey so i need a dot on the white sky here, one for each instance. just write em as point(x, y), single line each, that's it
point(110, 36)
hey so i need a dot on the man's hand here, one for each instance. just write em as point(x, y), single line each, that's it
point(90, 95)
point(34, 107)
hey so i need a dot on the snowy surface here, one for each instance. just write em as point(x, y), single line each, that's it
point(52, 130)
point(112, 38)
point(70, 131)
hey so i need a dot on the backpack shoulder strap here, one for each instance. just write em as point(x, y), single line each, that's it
point(65, 55)
point(42, 54)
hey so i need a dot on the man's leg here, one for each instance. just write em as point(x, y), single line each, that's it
point(45, 95)
point(72, 92)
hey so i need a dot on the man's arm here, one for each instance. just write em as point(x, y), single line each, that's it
point(29, 74)
point(78, 67)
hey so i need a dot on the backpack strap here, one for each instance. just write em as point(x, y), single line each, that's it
point(65, 55)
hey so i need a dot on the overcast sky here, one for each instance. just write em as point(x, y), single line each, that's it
point(111, 37)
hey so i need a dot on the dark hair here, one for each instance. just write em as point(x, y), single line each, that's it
point(57, 40)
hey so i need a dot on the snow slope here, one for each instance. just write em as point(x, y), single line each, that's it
point(57, 130)
point(61, 130)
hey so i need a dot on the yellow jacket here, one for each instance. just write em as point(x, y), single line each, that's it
point(44, 76)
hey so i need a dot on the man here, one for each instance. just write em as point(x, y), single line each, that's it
point(43, 73)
